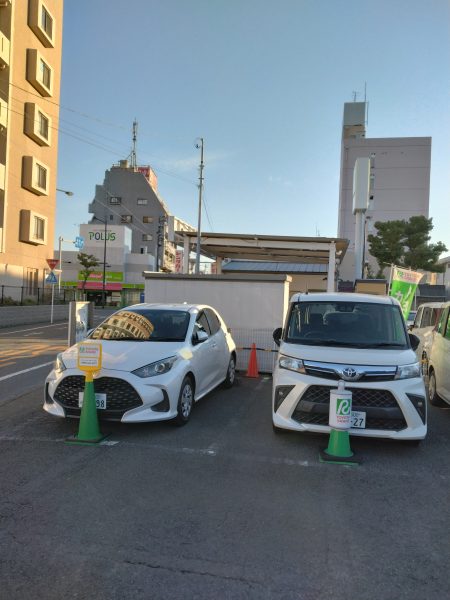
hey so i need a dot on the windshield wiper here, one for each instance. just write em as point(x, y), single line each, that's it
point(124, 339)
point(385, 344)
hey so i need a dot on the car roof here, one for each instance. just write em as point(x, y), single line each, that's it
point(342, 297)
point(181, 306)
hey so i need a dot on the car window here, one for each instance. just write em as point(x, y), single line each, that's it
point(213, 320)
point(151, 325)
point(435, 312)
point(441, 323)
point(426, 318)
point(418, 317)
point(447, 328)
point(201, 324)
point(350, 324)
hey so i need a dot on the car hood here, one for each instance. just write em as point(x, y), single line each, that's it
point(350, 356)
point(127, 356)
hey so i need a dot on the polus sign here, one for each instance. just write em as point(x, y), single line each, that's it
point(99, 236)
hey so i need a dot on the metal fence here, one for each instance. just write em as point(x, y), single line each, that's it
point(11, 295)
point(266, 349)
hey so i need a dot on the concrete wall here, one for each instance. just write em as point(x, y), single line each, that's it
point(11, 316)
point(252, 306)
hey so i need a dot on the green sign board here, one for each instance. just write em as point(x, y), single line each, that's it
point(403, 287)
point(110, 276)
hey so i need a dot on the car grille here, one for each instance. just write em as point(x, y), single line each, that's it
point(120, 395)
point(381, 408)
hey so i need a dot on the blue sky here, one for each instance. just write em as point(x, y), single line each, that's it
point(264, 84)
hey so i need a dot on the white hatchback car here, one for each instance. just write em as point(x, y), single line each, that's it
point(157, 360)
point(361, 340)
point(437, 363)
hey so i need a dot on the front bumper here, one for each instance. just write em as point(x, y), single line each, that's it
point(129, 398)
point(394, 409)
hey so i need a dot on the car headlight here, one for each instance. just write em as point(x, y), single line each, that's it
point(292, 364)
point(408, 371)
point(157, 368)
point(59, 365)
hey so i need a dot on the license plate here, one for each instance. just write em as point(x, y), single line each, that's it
point(358, 419)
point(100, 400)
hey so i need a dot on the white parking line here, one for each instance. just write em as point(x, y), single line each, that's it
point(25, 371)
point(33, 328)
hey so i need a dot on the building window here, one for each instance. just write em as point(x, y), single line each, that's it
point(43, 125)
point(45, 73)
point(41, 176)
point(41, 22)
point(46, 22)
point(33, 228)
point(147, 219)
point(39, 229)
point(142, 201)
point(39, 72)
point(126, 219)
point(35, 176)
point(37, 124)
point(146, 237)
point(115, 200)
point(111, 217)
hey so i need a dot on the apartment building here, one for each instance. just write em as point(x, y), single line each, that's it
point(129, 196)
point(399, 180)
point(30, 68)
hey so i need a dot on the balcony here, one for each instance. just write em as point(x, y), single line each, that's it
point(4, 51)
point(3, 113)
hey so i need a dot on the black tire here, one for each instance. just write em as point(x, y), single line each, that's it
point(231, 373)
point(433, 397)
point(424, 365)
point(185, 402)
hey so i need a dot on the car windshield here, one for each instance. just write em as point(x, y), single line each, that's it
point(349, 324)
point(144, 325)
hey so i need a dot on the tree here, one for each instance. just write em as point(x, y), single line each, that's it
point(89, 262)
point(406, 244)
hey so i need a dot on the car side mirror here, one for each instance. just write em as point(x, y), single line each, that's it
point(199, 337)
point(277, 335)
point(414, 341)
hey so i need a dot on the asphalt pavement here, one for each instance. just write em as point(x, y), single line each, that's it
point(222, 508)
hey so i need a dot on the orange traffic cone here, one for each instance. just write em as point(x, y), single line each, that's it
point(252, 370)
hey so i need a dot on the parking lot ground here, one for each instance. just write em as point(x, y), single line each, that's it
point(222, 508)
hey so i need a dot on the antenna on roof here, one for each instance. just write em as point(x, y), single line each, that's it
point(133, 151)
point(355, 94)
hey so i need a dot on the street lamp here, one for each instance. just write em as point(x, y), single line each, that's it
point(199, 144)
point(67, 192)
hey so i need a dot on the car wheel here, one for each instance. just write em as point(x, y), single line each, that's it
point(433, 397)
point(231, 373)
point(185, 402)
point(424, 365)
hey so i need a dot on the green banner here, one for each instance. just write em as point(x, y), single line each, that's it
point(110, 276)
point(403, 287)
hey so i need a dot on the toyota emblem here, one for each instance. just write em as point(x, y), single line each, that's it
point(349, 373)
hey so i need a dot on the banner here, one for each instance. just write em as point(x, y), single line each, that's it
point(403, 287)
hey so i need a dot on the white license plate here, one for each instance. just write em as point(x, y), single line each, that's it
point(358, 419)
point(100, 400)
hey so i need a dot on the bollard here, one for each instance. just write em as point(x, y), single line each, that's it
point(340, 420)
point(89, 361)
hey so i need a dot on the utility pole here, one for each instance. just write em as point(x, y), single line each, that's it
point(200, 193)
point(104, 266)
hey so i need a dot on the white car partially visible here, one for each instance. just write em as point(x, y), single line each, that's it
point(157, 361)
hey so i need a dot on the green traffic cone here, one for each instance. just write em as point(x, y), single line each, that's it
point(88, 430)
point(338, 450)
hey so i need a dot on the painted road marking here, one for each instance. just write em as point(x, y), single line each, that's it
point(33, 328)
point(26, 371)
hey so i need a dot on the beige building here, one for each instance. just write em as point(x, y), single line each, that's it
point(399, 180)
point(30, 69)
